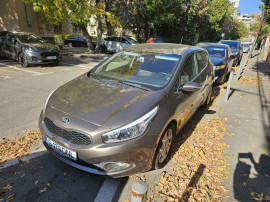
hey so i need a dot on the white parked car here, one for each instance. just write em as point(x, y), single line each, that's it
point(116, 43)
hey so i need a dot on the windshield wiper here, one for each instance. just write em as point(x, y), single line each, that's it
point(134, 85)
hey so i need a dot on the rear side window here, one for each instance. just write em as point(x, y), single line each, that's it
point(201, 60)
point(190, 70)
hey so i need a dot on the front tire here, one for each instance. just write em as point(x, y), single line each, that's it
point(103, 49)
point(23, 60)
point(164, 147)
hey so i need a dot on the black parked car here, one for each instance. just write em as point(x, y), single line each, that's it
point(75, 41)
point(237, 50)
point(28, 48)
point(221, 56)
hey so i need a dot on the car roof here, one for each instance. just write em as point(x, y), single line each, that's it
point(161, 48)
point(213, 45)
point(229, 40)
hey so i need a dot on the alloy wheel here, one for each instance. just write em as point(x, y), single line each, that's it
point(165, 146)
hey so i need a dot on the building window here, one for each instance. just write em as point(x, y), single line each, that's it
point(58, 28)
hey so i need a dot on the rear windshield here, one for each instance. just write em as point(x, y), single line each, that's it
point(216, 51)
point(30, 38)
point(146, 69)
point(245, 44)
point(232, 44)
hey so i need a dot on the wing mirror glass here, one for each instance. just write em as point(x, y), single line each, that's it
point(191, 86)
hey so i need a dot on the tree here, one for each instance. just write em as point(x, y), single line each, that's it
point(78, 12)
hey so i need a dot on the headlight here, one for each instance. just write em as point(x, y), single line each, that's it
point(45, 104)
point(32, 49)
point(132, 130)
point(220, 67)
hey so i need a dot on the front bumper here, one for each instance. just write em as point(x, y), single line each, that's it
point(138, 153)
point(44, 57)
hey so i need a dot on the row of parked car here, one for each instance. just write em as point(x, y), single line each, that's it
point(122, 116)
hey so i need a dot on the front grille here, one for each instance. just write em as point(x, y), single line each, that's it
point(71, 136)
point(45, 54)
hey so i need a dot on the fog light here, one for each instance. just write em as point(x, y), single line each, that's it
point(114, 166)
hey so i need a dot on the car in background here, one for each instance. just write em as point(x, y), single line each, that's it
point(221, 57)
point(246, 46)
point(237, 50)
point(123, 116)
point(116, 43)
point(28, 49)
point(75, 41)
point(154, 40)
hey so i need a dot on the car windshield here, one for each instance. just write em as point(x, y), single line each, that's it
point(232, 44)
point(245, 45)
point(144, 69)
point(132, 40)
point(30, 38)
point(216, 51)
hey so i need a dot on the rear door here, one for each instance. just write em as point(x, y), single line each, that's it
point(185, 103)
point(3, 43)
point(205, 74)
point(11, 46)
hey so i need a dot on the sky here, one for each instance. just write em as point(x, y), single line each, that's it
point(249, 6)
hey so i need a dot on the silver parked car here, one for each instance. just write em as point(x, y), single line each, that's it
point(121, 117)
point(246, 46)
point(116, 43)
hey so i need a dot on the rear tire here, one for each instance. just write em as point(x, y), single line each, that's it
point(23, 60)
point(103, 49)
point(164, 147)
point(208, 99)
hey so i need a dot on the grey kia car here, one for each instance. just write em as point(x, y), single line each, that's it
point(122, 116)
point(28, 49)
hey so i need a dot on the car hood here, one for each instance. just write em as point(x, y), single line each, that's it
point(42, 46)
point(217, 61)
point(104, 103)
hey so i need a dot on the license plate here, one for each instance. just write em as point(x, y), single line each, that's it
point(63, 151)
point(51, 57)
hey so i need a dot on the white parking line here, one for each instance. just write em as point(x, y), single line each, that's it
point(107, 190)
point(6, 77)
point(24, 70)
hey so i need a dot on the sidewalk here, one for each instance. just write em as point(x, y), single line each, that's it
point(248, 114)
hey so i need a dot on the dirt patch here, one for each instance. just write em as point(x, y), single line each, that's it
point(11, 148)
point(248, 80)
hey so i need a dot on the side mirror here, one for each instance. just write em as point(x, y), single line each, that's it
point(191, 86)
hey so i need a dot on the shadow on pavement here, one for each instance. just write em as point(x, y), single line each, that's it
point(252, 179)
point(45, 178)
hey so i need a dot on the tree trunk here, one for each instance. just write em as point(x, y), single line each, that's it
point(99, 33)
point(87, 36)
point(146, 30)
point(108, 24)
point(109, 27)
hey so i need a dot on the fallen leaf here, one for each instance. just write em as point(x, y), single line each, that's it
point(9, 198)
point(42, 190)
point(8, 187)
point(36, 182)
point(65, 173)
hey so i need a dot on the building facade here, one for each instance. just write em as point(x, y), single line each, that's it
point(235, 3)
point(249, 18)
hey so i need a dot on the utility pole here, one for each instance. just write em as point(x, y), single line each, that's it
point(258, 32)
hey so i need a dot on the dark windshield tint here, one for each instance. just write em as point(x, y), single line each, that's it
point(232, 44)
point(29, 38)
point(132, 40)
point(150, 70)
point(216, 51)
